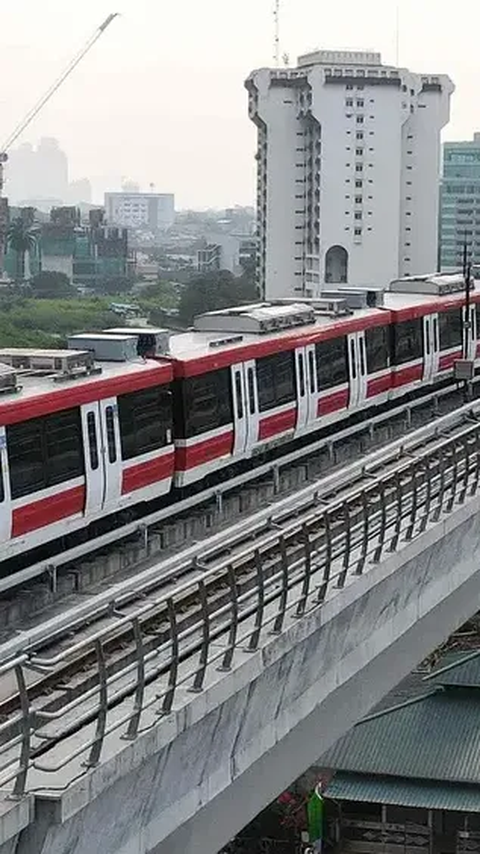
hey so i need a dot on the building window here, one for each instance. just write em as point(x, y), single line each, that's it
point(358, 200)
point(359, 120)
point(359, 134)
point(359, 167)
point(358, 184)
point(349, 102)
point(360, 102)
point(359, 152)
point(358, 214)
point(358, 232)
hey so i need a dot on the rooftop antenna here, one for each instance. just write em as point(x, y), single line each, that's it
point(276, 40)
point(397, 35)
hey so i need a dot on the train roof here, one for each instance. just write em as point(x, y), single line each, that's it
point(41, 391)
point(222, 338)
point(200, 351)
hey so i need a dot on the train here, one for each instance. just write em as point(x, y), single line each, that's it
point(128, 416)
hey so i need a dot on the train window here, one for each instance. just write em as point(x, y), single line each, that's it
point(311, 368)
point(331, 358)
point(276, 380)
point(43, 452)
point(238, 393)
point(251, 391)
point(145, 421)
point(408, 341)
point(451, 328)
point(2, 484)
point(92, 441)
point(361, 344)
point(353, 361)
point(301, 374)
point(203, 403)
point(111, 444)
point(378, 350)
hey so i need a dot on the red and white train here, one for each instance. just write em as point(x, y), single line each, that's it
point(82, 438)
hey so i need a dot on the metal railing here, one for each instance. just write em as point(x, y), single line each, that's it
point(174, 640)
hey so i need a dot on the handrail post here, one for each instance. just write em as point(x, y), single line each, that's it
point(203, 660)
point(232, 637)
point(134, 721)
point(97, 744)
point(174, 655)
point(21, 778)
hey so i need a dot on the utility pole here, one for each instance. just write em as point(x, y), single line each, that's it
point(276, 38)
point(467, 272)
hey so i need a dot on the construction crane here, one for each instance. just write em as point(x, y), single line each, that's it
point(44, 100)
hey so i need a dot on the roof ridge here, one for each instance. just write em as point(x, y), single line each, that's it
point(469, 656)
point(409, 702)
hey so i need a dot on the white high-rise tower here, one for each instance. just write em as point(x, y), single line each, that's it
point(348, 171)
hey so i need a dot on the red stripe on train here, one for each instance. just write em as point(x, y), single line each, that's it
point(447, 361)
point(46, 511)
point(277, 423)
point(333, 402)
point(408, 374)
point(203, 452)
point(146, 473)
point(379, 385)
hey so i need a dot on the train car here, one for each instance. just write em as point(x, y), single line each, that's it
point(428, 317)
point(251, 377)
point(78, 441)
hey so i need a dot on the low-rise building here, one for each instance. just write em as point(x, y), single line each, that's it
point(407, 777)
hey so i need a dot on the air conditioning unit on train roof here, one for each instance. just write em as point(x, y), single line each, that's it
point(105, 347)
point(8, 379)
point(435, 284)
point(33, 360)
point(151, 340)
point(259, 318)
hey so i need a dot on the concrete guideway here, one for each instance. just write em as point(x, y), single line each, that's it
point(345, 599)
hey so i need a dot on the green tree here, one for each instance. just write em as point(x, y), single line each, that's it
point(212, 291)
point(22, 238)
point(51, 284)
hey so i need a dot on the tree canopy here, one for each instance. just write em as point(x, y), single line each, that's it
point(215, 290)
point(51, 284)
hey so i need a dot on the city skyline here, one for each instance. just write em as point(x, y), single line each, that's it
point(173, 109)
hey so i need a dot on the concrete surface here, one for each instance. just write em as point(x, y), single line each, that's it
point(189, 783)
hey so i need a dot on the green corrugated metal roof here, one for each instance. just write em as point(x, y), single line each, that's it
point(405, 793)
point(436, 737)
point(463, 674)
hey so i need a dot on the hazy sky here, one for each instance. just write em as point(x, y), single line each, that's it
point(160, 98)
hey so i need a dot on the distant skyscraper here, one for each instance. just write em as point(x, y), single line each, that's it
point(40, 173)
point(348, 164)
point(460, 203)
point(79, 191)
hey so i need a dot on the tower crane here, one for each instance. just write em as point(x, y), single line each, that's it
point(24, 123)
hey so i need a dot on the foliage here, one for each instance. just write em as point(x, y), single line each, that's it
point(50, 283)
point(47, 322)
point(114, 285)
point(22, 238)
point(215, 290)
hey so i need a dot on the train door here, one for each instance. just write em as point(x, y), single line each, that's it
point(472, 333)
point(431, 347)
point(357, 369)
point(5, 496)
point(306, 384)
point(240, 410)
point(112, 457)
point(251, 400)
point(92, 443)
point(103, 466)
point(302, 387)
